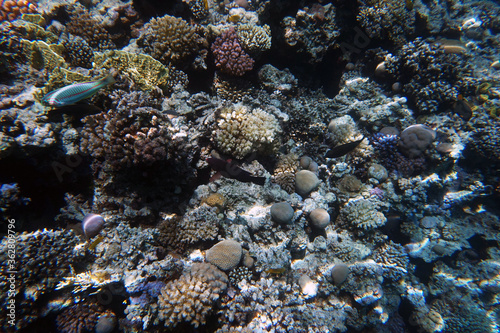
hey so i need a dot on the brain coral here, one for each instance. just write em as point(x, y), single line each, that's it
point(170, 39)
point(241, 131)
point(226, 254)
point(191, 297)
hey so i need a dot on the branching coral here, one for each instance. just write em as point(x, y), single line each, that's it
point(170, 39)
point(229, 56)
point(241, 131)
point(12, 9)
point(360, 214)
point(122, 140)
point(84, 25)
point(392, 19)
point(191, 297)
point(254, 38)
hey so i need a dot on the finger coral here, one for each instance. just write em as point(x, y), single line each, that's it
point(12, 9)
point(123, 140)
point(170, 39)
point(229, 55)
point(191, 297)
point(241, 131)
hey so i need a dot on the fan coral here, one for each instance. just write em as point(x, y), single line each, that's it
point(229, 55)
point(191, 297)
point(84, 25)
point(170, 39)
point(241, 131)
point(12, 9)
point(125, 139)
point(254, 38)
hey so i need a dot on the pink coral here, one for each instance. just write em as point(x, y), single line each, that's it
point(229, 55)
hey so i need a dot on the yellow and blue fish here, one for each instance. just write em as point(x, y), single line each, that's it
point(75, 92)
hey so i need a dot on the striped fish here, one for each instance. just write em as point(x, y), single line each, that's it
point(75, 92)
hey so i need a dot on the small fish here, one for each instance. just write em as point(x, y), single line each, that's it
point(231, 170)
point(75, 92)
point(341, 150)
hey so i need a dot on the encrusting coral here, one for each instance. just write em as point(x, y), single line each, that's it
point(191, 297)
point(242, 131)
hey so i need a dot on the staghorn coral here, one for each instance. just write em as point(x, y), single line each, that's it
point(84, 25)
point(241, 131)
point(191, 297)
point(254, 38)
point(387, 19)
point(12, 9)
point(125, 139)
point(229, 56)
point(170, 39)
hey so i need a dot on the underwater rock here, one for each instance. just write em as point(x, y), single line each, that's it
point(339, 273)
point(320, 218)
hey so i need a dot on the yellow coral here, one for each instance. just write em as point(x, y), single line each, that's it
point(43, 55)
point(145, 71)
point(215, 200)
point(254, 38)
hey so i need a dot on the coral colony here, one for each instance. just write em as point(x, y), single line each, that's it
point(249, 166)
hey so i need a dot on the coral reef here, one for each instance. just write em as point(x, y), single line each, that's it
point(170, 39)
point(229, 56)
point(12, 9)
point(179, 301)
point(242, 131)
point(92, 31)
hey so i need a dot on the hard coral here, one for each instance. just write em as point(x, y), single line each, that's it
point(170, 39)
point(82, 317)
point(229, 56)
point(126, 139)
point(392, 19)
point(12, 9)
point(241, 131)
point(84, 25)
point(191, 297)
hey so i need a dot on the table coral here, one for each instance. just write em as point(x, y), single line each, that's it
point(180, 301)
point(229, 55)
point(242, 131)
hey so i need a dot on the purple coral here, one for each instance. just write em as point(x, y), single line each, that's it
point(229, 55)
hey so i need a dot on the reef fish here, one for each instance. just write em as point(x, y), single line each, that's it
point(231, 170)
point(75, 92)
point(341, 150)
